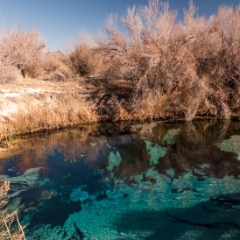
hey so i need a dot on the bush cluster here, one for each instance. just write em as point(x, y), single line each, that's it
point(84, 58)
point(18, 48)
point(178, 69)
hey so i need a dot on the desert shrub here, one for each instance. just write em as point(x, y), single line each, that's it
point(7, 72)
point(177, 68)
point(83, 58)
point(50, 61)
point(67, 71)
point(18, 48)
point(48, 65)
point(32, 69)
point(215, 44)
point(55, 65)
point(153, 58)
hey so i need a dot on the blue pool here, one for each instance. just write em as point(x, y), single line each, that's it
point(158, 180)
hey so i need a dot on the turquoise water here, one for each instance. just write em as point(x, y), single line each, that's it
point(159, 180)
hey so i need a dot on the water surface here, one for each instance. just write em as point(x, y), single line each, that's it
point(159, 180)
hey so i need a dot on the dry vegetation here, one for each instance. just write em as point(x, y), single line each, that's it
point(39, 89)
point(160, 69)
point(17, 49)
point(178, 69)
point(43, 107)
point(83, 57)
point(10, 227)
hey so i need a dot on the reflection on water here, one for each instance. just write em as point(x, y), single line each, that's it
point(159, 180)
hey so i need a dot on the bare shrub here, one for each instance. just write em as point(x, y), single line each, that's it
point(32, 69)
point(214, 43)
point(178, 69)
point(153, 58)
point(50, 61)
point(67, 71)
point(49, 65)
point(83, 58)
point(18, 48)
point(7, 72)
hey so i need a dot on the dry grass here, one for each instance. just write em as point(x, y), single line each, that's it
point(46, 106)
point(68, 111)
point(7, 230)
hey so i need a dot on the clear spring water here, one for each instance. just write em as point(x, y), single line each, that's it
point(159, 180)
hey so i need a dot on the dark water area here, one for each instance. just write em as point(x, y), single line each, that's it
point(158, 180)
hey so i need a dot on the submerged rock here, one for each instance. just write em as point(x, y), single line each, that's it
point(29, 178)
point(231, 145)
point(54, 212)
point(169, 137)
point(78, 195)
point(114, 160)
point(156, 152)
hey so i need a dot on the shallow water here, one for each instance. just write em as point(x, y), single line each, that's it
point(159, 180)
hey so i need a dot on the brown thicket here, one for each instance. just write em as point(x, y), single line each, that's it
point(49, 66)
point(18, 48)
point(25, 51)
point(83, 58)
point(178, 69)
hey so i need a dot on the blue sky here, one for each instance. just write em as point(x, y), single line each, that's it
point(59, 21)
